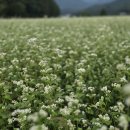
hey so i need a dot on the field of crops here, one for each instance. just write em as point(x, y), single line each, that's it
point(65, 74)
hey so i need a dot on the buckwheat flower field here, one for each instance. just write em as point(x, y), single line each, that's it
point(65, 74)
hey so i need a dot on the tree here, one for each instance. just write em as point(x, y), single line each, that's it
point(54, 9)
point(16, 8)
point(103, 12)
point(28, 8)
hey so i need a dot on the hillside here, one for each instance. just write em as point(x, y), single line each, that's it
point(113, 8)
point(73, 6)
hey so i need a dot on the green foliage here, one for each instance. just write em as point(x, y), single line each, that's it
point(29, 8)
point(103, 12)
point(65, 74)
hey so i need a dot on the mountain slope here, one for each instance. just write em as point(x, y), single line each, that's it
point(97, 2)
point(73, 6)
point(113, 8)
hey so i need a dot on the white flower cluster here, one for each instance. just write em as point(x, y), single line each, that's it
point(123, 122)
point(126, 90)
point(39, 127)
point(65, 111)
point(21, 111)
point(63, 75)
point(104, 117)
point(32, 40)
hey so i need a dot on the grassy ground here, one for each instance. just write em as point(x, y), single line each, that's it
point(65, 74)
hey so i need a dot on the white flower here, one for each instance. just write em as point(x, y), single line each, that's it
point(77, 112)
point(118, 86)
point(104, 117)
point(32, 40)
point(34, 117)
point(123, 79)
point(81, 70)
point(79, 83)
point(97, 124)
point(127, 60)
point(91, 89)
point(47, 89)
point(10, 121)
point(112, 128)
point(123, 122)
point(104, 89)
point(21, 111)
point(126, 89)
point(103, 128)
point(97, 104)
point(36, 127)
point(84, 122)
point(65, 111)
point(43, 113)
point(69, 123)
point(53, 106)
point(127, 101)
point(43, 127)
point(2, 55)
point(120, 106)
point(93, 54)
point(60, 100)
point(121, 67)
point(71, 100)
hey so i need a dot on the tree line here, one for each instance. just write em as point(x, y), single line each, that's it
point(28, 8)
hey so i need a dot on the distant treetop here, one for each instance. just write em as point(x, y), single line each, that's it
point(28, 8)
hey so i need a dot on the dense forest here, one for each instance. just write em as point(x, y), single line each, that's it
point(28, 8)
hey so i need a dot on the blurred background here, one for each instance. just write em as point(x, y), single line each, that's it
point(54, 8)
